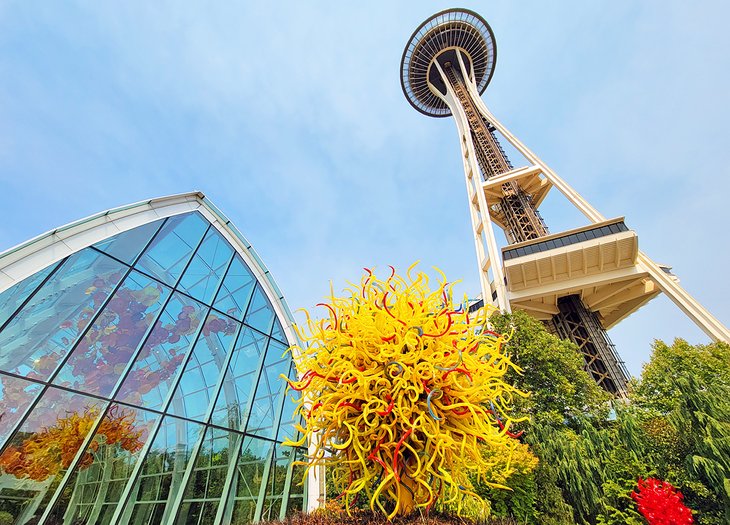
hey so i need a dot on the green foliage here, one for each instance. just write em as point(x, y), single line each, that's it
point(550, 506)
point(675, 426)
point(685, 393)
point(518, 503)
point(552, 371)
point(561, 395)
point(659, 389)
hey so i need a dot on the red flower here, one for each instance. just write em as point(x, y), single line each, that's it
point(661, 504)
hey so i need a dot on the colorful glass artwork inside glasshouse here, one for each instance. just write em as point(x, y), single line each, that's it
point(403, 391)
point(140, 383)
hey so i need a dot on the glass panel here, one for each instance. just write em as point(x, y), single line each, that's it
point(16, 396)
point(233, 404)
point(104, 352)
point(163, 354)
point(126, 246)
point(38, 455)
point(286, 427)
point(295, 504)
point(244, 511)
point(205, 486)
point(206, 269)
point(298, 479)
point(267, 403)
point(250, 470)
point(197, 512)
point(277, 482)
point(162, 473)
point(198, 381)
point(94, 490)
point(260, 314)
point(272, 505)
point(46, 329)
point(173, 246)
point(235, 293)
point(277, 332)
point(14, 296)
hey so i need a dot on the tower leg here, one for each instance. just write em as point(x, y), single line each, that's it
point(679, 296)
point(578, 324)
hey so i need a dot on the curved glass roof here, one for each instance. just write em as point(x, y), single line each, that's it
point(153, 359)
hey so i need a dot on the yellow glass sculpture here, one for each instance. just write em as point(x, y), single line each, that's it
point(404, 389)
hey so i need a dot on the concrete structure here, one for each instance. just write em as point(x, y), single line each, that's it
point(141, 351)
point(580, 282)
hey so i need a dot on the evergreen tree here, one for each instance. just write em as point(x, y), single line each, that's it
point(676, 427)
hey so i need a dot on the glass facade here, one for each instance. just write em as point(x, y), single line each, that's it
point(140, 383)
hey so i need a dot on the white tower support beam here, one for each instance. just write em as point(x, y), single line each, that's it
point(486, 243)
point(693, 309)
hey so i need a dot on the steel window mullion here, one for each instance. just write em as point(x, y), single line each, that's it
point(228, 496)
point(103, 485)
point(264, 484)
point(225, 511)
point(227, 266)
point(190, 467)
point(165, 407)
point(153, 434)
point(53, 375)
point(25, 301)
point(74, 463)
point(135, 471)
point(305, 483)
point(47, 383)
point(277, 417)
point(227, 359)
point(287, 484)
point(198, 445)
point(222, 376)
point(225, 495)
point(255, 385)
point(262, 358)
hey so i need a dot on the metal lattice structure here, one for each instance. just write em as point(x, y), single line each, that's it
point(581, 326)
point(580, 282)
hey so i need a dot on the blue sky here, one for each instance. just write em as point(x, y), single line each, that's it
point(290, 117)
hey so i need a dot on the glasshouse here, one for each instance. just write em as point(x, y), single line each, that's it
point(141, 354)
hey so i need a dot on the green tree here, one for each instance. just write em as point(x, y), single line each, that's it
point(684, 394)
point(675, 426)
point(561, 394)
point(659, 389)
point(552, 372)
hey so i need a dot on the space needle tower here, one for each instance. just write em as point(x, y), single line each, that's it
point(579, 282)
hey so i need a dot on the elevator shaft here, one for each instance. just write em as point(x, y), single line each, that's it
point(522, 222)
